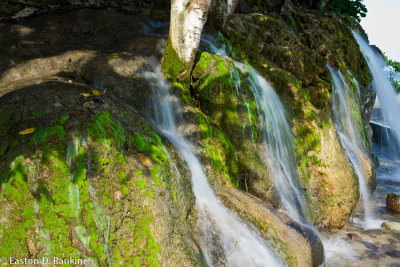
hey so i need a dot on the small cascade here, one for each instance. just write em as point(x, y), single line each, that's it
point(387, 96)
point(343, 107)
point(278, 143)
point(225, 236)
point(277, 134)
point(278, 140)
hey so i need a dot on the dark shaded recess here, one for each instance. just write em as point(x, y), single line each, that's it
point(10, 7)
point(104, 31)
point(274, 6)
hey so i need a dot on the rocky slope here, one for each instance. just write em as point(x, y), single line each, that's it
point(291, 49)
point(95, 180)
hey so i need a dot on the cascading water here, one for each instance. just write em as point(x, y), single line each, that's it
point(387, 96)
point(278, 144)
point(278, 141)
point(350, 137)
point(278, 138)
point(241, 245)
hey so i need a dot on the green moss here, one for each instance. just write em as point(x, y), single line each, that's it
point(63, 119)
point(143, 250)
point(16, 191)
point(147, 146)
point(9, 115)
point(107, 130)
point(219, 150)
point(14, 144)
point(41, 134)
point(58, 207)
point(174, 67)
point(36, 114)
point(355, 109)
point(234, 50)
point(276, 242)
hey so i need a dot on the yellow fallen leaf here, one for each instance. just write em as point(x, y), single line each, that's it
point(96, 92)
point(144, 160)
point(86, 95)
point(27, 131)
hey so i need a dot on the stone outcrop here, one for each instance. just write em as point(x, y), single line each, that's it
point(393, 204)
point(85, 174)
point(93, 174)
point(291, 50)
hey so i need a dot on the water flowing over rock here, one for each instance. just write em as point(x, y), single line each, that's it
point(277, 139)
point(124, 143)
point(227, 240)
point(385, 91)
point(348, 120)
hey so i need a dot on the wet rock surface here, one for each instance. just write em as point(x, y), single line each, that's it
point(374, 247)
point(48, 61)
point(393, 204)
point(89, 190)
point(369, 248)
point(292, 51)
point(391, 226)
point(20, 9)
point(51, 66)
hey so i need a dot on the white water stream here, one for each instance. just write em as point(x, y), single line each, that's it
point(389, 104)
point(277, 135)
point(351, 139)
point(241, 245)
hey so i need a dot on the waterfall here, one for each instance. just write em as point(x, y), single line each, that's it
point(278, 140)
point(241, 245)
point(277, 135)
point(350, 137)
point(278, 144)
point(386, 93)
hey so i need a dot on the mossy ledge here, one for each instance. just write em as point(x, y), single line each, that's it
point(90, 185)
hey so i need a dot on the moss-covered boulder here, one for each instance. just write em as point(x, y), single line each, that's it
point(223, 95)
point(89, 180)
point(225, 98)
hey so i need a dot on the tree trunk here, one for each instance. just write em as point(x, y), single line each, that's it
point(187, 21)
point(188, 18)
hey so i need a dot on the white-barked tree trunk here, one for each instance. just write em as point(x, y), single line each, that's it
point(188, 18)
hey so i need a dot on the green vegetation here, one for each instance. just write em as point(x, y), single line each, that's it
point(394, 73)
point(219, 150)
point(352, 8)
point(174, 67)
point(150, 147)
point(53, 204)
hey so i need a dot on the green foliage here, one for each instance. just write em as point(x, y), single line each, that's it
point(394, 73)
point(62, 119)
point(352, 8)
